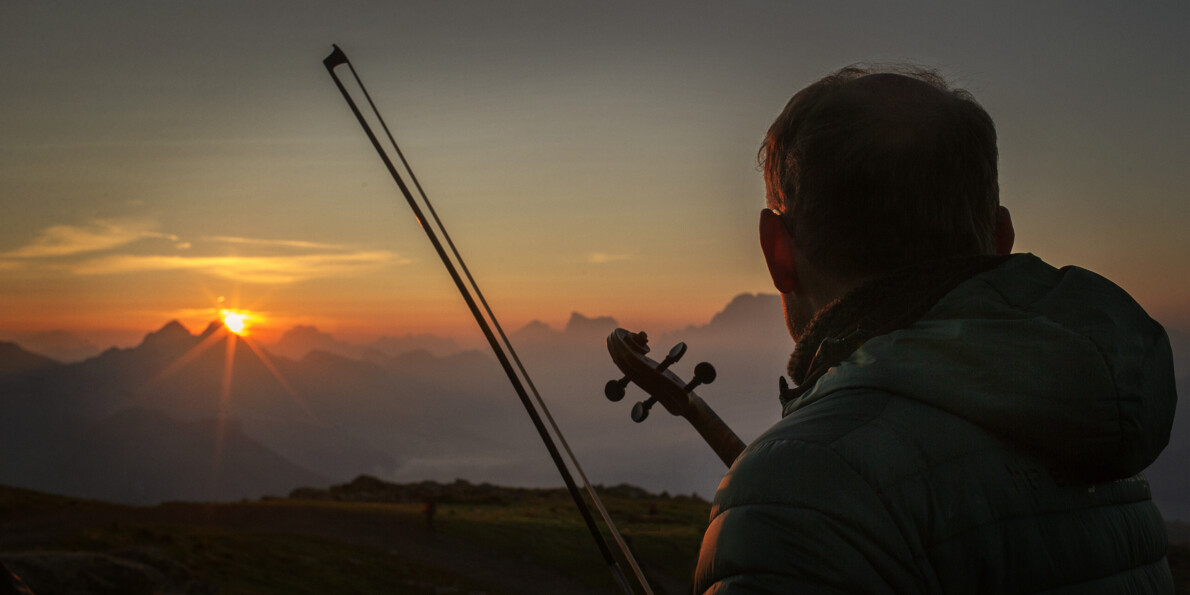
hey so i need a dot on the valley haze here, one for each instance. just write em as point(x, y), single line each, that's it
point(183, 416)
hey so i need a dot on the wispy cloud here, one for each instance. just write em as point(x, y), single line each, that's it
point(280, 243)
point(254, 269)
point(97, 236)
point(604, 258)
point(105, 247)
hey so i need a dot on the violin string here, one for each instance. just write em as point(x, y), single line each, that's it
point(338, 57)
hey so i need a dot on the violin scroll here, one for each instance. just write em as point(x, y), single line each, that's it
point(639, 342)
point(629, 352)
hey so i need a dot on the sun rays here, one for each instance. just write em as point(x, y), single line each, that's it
point(231, 327)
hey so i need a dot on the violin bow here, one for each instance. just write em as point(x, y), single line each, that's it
point(504, 350)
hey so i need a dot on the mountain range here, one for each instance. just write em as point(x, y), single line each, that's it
point(211, 416)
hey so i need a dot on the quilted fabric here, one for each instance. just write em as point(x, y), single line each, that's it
point(994, 446)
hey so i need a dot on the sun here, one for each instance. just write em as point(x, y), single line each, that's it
point(236, 322)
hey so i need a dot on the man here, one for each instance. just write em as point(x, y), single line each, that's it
point(964, 421)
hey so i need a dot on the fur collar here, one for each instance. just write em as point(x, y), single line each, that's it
point(881, 306)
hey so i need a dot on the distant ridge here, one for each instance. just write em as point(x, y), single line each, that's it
point(366, 488)
point(139, 456)
point(408, 416)
point(15, 361)
point(296, 342)
point(168, 336)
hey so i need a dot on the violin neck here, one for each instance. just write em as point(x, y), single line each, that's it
point(713, 430)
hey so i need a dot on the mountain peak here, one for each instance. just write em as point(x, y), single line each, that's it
point(748, 308)
point(173, 333)
point(584, 325)
point(214, 326)
point(172, 329)
point(15, 360)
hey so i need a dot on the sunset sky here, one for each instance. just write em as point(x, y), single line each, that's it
point(162, 160)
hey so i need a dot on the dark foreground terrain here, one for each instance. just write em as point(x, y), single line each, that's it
point(363, 537)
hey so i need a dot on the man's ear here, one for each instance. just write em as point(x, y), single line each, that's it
point(778, 248)
point(1005, 234)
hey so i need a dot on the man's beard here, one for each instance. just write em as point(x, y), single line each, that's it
point(797, 316)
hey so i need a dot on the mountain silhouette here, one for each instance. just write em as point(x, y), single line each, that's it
point(84, 429)
point(140, 423)
point(15, 361)
point(302, 339)
point(140, 456)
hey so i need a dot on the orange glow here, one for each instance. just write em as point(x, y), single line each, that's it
point(235, 321)
point(234, 331)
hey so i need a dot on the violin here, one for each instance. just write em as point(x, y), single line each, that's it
point(629, 351)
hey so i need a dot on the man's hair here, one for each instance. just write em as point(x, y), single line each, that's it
point(874, 170)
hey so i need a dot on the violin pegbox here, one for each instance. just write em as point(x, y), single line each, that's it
point(629, 351)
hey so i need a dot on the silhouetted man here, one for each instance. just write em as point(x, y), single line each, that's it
point(964, 421)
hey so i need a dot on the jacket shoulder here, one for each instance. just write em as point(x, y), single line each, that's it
point(795, 510)
point(868, 491)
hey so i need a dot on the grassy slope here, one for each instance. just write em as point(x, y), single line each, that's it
point(549, 532)
point(262, 564)
point(286, 546)
point(296, 547)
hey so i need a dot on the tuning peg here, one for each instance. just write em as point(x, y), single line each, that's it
point(639, 341)
point(704, 373)
point(674, 355)
point(640, 410)
point(614, 389)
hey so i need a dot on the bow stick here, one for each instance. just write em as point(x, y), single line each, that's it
point(337, 58)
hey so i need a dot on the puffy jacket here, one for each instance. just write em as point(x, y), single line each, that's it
point(994, 446)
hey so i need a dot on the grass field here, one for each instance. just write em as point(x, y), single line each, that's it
point(533, 543)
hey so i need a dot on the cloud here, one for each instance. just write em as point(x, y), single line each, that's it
point(254, 269)
point(105, 247)
point(97, 236)
point(603, 258)
point(280, 243)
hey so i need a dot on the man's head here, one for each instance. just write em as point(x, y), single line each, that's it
point(871, 171)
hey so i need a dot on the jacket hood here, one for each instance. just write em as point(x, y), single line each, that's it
point(1059, 362)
